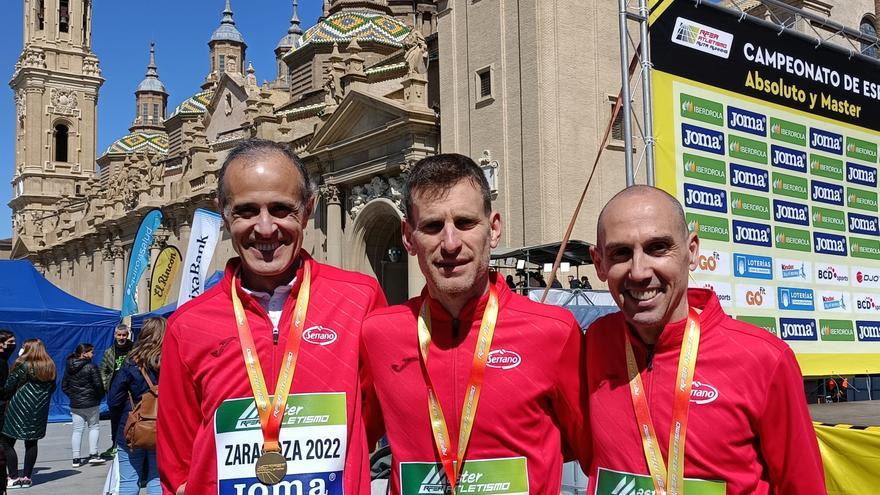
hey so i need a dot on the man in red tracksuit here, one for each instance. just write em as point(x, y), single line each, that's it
point(730, 441)
point(211, 435)
point(490, 363)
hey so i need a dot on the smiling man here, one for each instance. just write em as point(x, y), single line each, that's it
point(259, 378)
point(478, 388)
point(672, 361)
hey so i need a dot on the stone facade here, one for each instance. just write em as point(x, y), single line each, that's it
point(526, 88)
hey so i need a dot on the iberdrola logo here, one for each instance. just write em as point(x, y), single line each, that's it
point(776, 128)
point(852, 198)
point(778, 184)
point(825, 330)
point(737, 204)
point(814, 164)
point(851, 147)
point(817, 217)
point(694, 226)
point(734, 146)
point(690, 166)
point(780, 238)
point(854, 247)
point(687, 106)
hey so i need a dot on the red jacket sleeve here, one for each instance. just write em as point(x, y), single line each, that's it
point(569, 401)
point(179, 415)
point(371, 412)
point(785, 432)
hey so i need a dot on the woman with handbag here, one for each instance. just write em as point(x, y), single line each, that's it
point(138, 376)
point(82, 384)
point(30, 384)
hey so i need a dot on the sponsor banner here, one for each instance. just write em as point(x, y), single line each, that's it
point(792, 239)
point(701, 109)
point(723, 290)
point(714, 263)
point(866, 277)
point(766, 322)
point(506, 476)
point(862, 224)
point(138, 261)
point(702, 139)
point(827, 218)
point(706, 227)
point(860, 247)
point(791, 186)
point(203, 238)
point(825, 192)
point(705, 198)
point(789, 159)
point(751, 266)
point(861, 150)
point(704, 168)
point(610, 482)
point(794, 270)
point(165, 272)
point(836, 330)
point(834, 301)
point(825, 166)
point(744, 148)
point(832, 274)
point(746, 121)
point(754, 296)
point(868, 331)
point(797, 329)
point(789, 132)
point(861, 199)
point(862, 175)
point(796, 299)
point(754, 234)
point(829, 142)
point(829, 244)
point(752, 178)
point(747, 205)
point(868, 304)
point(788, 212)
point(706, 39)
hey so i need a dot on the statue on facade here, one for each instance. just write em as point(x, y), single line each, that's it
point(332, 86)
point(416, 55)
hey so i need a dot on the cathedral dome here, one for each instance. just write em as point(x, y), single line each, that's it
point(139, 142)
point(227, 31)
point(195, 104)
point(342, 27)
point(151, 80)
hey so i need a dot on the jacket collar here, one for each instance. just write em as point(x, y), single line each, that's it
point(233, 265)
point(474, 308)
point(710, 313)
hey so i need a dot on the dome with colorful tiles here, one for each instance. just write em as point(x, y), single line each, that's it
point(195, 104)
point(140, 142)
point(342, 27)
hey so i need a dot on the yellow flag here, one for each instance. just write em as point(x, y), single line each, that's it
point(165, 272)
point(850, 458)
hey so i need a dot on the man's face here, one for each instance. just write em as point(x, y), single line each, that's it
point(265, 216)
point(452, 237)
point(645, 256)
point(121, 336)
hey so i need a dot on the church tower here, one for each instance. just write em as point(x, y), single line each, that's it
point(294, 33)
point(227, 49)
point(151, 99)
point(56, 83)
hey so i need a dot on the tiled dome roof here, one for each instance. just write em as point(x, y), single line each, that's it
point(345, 26)
point(197, 103)
point(139, 142)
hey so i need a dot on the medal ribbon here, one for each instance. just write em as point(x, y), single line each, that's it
point(452, 463)
point(271, 411)
point(672, 481)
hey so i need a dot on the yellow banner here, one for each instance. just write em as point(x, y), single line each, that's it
point(850, 458)
point(165, 272)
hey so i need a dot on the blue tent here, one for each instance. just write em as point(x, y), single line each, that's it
point(31, 307)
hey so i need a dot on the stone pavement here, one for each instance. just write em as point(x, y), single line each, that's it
point(53, 474)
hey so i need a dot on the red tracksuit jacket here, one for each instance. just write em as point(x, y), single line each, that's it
point(748, 424)
point(203, 372)
point(531, 392)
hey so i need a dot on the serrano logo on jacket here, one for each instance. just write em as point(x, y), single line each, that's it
point(703, 393)
point(503, 359)
point(319, 335)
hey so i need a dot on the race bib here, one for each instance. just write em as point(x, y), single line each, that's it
point(487, 477)
point(313, 440)
point(610, 482)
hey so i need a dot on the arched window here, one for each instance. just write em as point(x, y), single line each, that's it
point(64, 15)
point(867, 28)
point(61, 143)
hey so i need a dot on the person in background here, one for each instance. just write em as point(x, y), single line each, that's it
point(585, 283)
point(7, 345)
point(30, 385)
point(127, 388)
point(82, 384)
point(510, 282)
point(113, 358)
point(573, 283)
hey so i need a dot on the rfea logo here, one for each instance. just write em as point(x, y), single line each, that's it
point(701, 37)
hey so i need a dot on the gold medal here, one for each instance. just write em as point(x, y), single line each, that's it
point(271, 468)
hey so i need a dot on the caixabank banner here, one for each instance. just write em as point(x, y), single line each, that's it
point(770, 143)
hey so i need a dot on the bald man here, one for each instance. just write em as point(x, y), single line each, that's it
point(671, 361)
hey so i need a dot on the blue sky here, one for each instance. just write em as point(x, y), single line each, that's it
point(122, 31)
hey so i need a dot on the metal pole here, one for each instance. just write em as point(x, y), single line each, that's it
point(626, 108)
point(648, 109)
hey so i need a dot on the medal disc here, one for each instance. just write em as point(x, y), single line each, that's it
point(271, 468)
